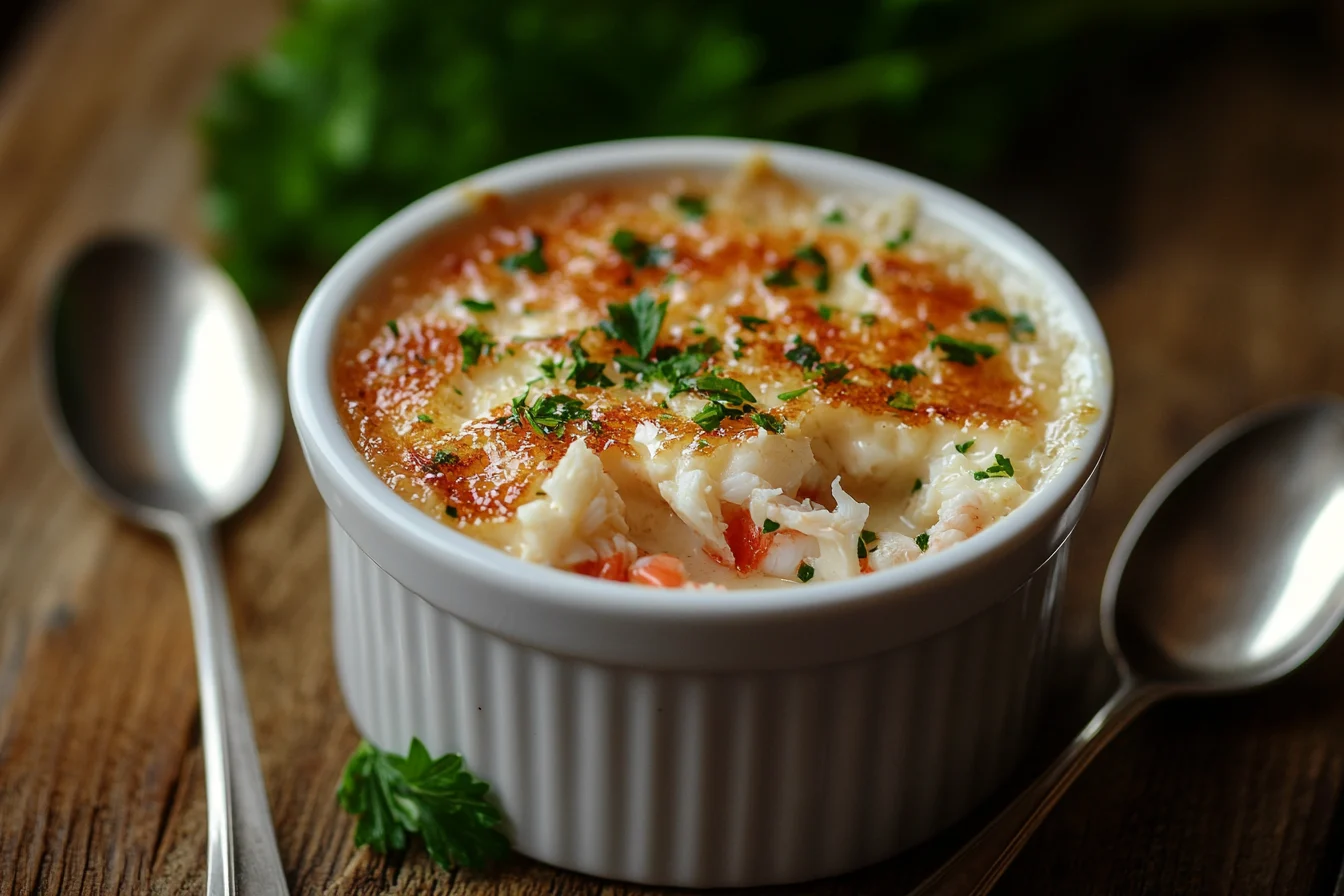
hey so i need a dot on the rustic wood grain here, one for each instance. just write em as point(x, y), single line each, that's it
point(1222, 288)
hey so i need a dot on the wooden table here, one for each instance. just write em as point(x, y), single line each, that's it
point(1210, 236)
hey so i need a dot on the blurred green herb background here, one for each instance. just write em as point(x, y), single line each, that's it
point(361, 106)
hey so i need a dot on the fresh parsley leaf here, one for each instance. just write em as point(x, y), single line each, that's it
point(396, 331)
point(1001, 469)
point(805, 572)
point(922, 541)
point(548, 415)
point(475, 343)
point(783, 277)
point(450, 511)
point(866, 274)
point(902, 401)
point(795, 393)
point(701, 443)
point(804, 354)
point(904, 372)
point(722, 389)
point(988, 315)
point(768, 421)
point(424, 418)
point(444, 457)
point(919, 484)
point(586, 372)
point(530, 259)
point(834, 216)
point(826, 311)
point(965, 446)
point(769, 526)
point(638, 252)
point(693, 207)
point(1020, 328)
point(751, 322)
point(397, 797)
point(710, 416)
point(962, 351)
point(832, 371)
point(863, 550)
point(477, 305)
point(906, 235)
point(636, 322)
point(551, 368)
point(812, 255)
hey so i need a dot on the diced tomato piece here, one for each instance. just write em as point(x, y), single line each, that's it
point(745, 539)
point(658, 570)
point(613, 567)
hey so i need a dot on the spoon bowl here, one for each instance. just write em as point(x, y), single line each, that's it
point(1230, 575)
point(1238, 555)
point(164, 388)
point(162, 395)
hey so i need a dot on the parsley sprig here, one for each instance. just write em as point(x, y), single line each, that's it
point(396, 798)
point(636, 322)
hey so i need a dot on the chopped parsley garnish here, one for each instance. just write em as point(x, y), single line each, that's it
point(867, 319)
point(795, 393)
point(805, 572)
point(965, 446)
point(444, 457)
point(671, 365)
point(638, 252)
point(826, 311)
point(812, 255)
point(782, 277)
point(451, 511)
point(701, 443)
point(424, 418)
point(904, 372)
point(751, 322)
point(1001, 469)
point(477, 305)
point(906, 235)
point(396, 331)
point(551, 368)
point(768, 421)
point(922, 541)
point(396, 797)
point(636, 322)
point(722, 388)
point(1020, 327)
point(475, 343)
point(902, 401)
point(693, 207)
point(835, 216)
point(804, 354)
point(988, 315)
point(710, 416)
point(769, 526)
point(868, 536)
point(531, 259)
point(832, 371)
point(962, 351)
point(919, 484)
point(548, 415)
point(866, 274)
point(863, 551)
point(586, 372)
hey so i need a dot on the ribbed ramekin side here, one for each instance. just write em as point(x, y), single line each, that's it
point(701, 779)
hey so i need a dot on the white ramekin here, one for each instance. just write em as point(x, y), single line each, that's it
point(694, 738)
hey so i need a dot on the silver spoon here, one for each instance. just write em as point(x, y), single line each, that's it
point(1229, 576)
point(163, 396)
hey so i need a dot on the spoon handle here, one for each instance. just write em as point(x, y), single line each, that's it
point(243, 859)
point(978, 865)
